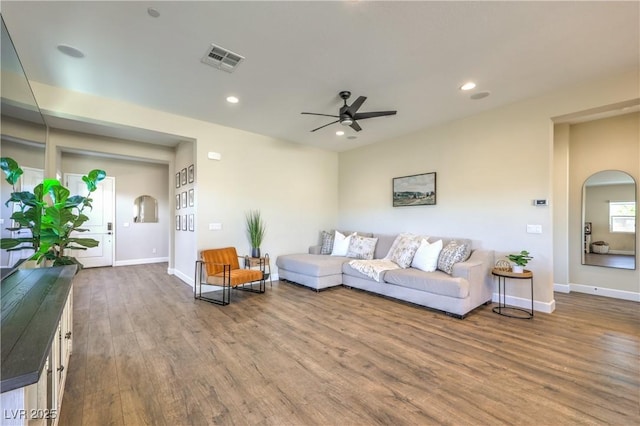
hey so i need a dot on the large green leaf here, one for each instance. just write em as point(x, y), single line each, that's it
point(92, 179)
point(11, 170)
point(86, 242)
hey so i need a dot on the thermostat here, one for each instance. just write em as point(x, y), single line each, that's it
point(540, 202)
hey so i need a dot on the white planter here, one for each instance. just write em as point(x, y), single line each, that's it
point(517, 269)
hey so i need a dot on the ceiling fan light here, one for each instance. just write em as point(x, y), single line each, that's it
point(346, 121)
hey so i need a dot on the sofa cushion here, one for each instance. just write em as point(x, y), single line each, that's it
point(436, 282)
point(361, 247)
point(426, 257)
point(451, 254)
point(403, 249)
point(311, 264)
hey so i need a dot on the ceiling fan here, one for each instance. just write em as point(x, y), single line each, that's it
point(348, 114)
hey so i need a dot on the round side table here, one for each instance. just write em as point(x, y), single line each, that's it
point(502, 308)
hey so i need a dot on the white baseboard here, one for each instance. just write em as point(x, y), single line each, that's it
point(187, 279)
point(524, 303)
point(598, 291)
point(625, 252)
point(140, 261)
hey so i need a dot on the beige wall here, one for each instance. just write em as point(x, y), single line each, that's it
point(606, 144)
point(294, 186)
point(134, 242)
point(489, 169)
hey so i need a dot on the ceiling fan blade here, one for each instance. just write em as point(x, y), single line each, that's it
point(323, 115)
point(355, 106)
point(355, 126)
point(363, 115)
point(318, 128)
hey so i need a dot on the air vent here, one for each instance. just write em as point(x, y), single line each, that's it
point(222, 58)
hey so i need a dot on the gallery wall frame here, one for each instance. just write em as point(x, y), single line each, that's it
point(183, 176)
point(184, 200)
point(177, 201)
point(177, 222)
point(191, 173)
point(178, 180)
point(184, 222)
point(414, 190)
point(191, 197)
point(191, 223)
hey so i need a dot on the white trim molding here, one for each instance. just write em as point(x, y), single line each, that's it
point(140, 261)
point(598, 291)
point(187, 279)
point(524, 303)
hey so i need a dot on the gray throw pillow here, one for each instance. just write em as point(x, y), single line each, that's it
point(327, 242)
point(451, 254)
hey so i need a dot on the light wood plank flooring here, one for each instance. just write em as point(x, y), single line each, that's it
point(146, 353)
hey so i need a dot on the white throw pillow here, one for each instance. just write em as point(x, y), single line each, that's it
point(426, 257)
point(341, 244)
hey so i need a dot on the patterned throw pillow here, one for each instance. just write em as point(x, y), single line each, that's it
point(403, 249)
point(327, 242)
point(452, 254)
point(362, 247)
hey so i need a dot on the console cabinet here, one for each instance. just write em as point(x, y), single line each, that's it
point(37, 336)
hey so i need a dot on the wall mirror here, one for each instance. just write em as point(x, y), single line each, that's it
point(23, 138)
point(609, 220)
point(145, 209)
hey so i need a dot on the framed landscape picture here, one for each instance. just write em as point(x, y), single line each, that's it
point(415, 190)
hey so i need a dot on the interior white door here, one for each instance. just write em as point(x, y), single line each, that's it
point(30, 179)
point(100, 224)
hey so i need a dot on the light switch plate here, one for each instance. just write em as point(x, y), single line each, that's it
point(534, 229)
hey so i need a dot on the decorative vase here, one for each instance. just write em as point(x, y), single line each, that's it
point(255, 251)
point(517, 269)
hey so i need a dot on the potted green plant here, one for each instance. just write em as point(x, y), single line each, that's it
point(255, 229)
point(51, 214)
point(520, 260)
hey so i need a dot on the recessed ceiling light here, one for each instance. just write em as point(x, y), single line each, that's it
point(468, 85)
point(70, 51)
point(339, 133)
point(352, 137)
point(232, 100)
point(153, 12)
point(479, 95)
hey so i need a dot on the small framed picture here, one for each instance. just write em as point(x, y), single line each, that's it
point(183, 176)
point(587, 228)
point(178, 180)
point(191, 173)
point(184, 222)
point(191, 225)
point(184, 200)
point(177, 201)
point(191, 197)
point(177, 222)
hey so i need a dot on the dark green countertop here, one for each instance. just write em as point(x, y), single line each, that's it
point(32, 304)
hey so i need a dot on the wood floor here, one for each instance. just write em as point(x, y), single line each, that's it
point(146, 353)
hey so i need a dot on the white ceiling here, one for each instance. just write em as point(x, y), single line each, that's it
point(407, 56)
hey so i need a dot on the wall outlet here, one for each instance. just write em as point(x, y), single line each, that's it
point(534, 229)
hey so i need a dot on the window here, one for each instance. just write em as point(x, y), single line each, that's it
point(622, 216)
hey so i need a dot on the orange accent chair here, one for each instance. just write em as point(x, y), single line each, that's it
point(221, 268)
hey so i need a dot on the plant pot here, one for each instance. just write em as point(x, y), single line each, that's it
point(255, 252)
point(517, 269)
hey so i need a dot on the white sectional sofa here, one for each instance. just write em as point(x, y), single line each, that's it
point(468, 286)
